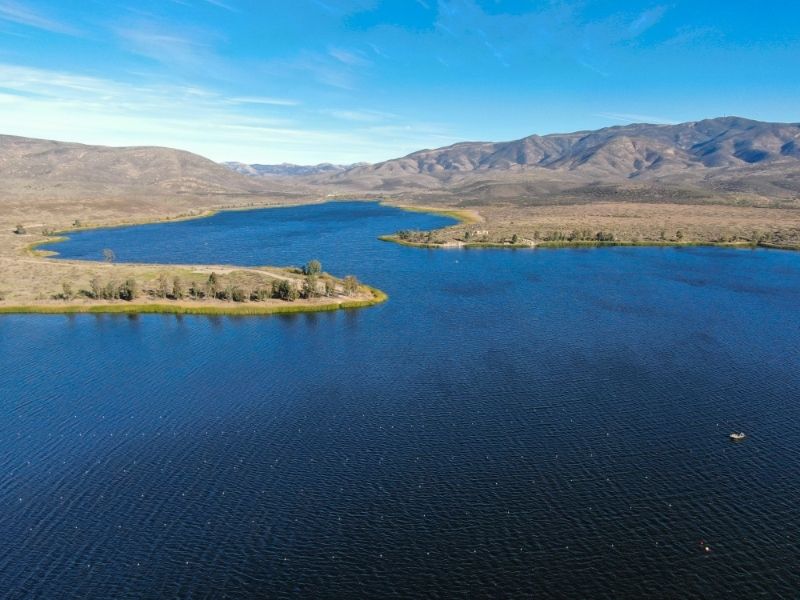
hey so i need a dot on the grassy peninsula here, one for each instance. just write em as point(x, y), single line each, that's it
point(33, 281)
point(501, 225)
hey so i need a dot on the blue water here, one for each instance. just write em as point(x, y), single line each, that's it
point(547, 423)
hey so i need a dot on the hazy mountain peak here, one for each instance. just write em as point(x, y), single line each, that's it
point(287, 169)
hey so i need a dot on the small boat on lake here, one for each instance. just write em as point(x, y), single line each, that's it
point(737, 436)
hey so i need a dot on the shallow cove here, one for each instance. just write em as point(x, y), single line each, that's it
point(516, 423)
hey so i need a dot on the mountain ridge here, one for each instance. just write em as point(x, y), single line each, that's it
point(726, 141)
point(712, 157)
point(154, 168)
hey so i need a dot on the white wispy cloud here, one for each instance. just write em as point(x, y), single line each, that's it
point(23, 15)
point(351, 58)
point(320, 68)
point(264, 100)
point(154, 41)
point(647, 19)
point(223, 5)
point(361, 116)
point(218, 3)
point(75, 107)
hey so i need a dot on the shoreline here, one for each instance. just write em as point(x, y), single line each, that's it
point(581, 244)
point(197, 308)
point(469, 217)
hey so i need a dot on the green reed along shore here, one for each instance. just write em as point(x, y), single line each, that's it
point(235, 309)
point(395, 239)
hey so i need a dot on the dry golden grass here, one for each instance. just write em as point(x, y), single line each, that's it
point(632, 222)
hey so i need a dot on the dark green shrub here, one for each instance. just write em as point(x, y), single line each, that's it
point(129, 290)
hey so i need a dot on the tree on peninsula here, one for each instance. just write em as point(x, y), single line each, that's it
point(313, 267)
point(350, 285)
point(212, 285)
point(177, 288)
point(129, 290)
point(162, 286)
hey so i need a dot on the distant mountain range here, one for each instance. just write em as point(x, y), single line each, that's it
point(728, 159)
point(725, 156)
point(632, 151)
point(288, 169)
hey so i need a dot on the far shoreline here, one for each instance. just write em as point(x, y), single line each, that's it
point(469, 217)
point(565, 245)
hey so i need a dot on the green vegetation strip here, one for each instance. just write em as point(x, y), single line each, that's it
point(177, 309)
point(584, 244)
point(33, 249)
point(449, 245)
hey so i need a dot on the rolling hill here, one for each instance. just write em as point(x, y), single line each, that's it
point(718, 157)
point(49, 164)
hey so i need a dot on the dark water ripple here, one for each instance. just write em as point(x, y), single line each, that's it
point(511, 424)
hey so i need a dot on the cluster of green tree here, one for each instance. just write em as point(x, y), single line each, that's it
point(574, 235)
point(111, 290)
point(418, 237)
point(314, 285)
point(755, 237)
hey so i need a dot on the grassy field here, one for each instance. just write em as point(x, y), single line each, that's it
point(617, 223)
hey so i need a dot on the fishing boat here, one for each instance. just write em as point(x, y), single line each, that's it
point(737, 436)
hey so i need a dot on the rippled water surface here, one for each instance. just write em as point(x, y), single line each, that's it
point(511, 423)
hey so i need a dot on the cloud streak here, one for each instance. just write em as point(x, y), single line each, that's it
point(74, 107)
point(151, 40)
point(21, 15)
point(264, 100)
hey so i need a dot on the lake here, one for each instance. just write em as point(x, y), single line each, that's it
point(526, 423)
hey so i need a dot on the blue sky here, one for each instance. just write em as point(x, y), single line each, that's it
point(308, 81)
